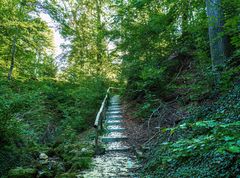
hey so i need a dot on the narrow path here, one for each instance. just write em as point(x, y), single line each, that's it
point(118, 161)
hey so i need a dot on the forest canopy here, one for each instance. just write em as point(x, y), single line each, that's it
point(176, 61)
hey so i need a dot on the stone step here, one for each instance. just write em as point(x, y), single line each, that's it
point(113, 139)
point(115, 134)
point(114, 112)
point(117, 146)
point(114, 99)
point(118, 149)
point(114, 118)
point(114, 115)
point(116, 129)
point(114, 104)
point(114, 122)
point(117, 109)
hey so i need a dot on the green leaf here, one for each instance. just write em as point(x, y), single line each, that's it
point(234, 149)
point(227, 138)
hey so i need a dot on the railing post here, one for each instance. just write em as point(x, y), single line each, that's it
point(103, 117)
point(101, 123)
point(96, 140)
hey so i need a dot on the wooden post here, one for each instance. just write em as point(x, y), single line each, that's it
point(96, 140)
point(103, 115)
point(101, 123)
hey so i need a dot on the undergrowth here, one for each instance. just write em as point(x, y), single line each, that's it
point(204, 144)
point(47, 116)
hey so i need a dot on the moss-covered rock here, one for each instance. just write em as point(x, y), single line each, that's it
point(21, 172)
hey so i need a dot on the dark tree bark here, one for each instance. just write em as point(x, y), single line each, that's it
point(216, 37)
point(14, 43)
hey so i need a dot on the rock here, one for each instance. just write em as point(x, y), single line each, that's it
point(43, 156)
point(20, 172)
point(84, 150)
point(139, 154)
point(43, 162)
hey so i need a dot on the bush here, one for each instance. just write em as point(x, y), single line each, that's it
point(206, 143)
point(35, 115)
point(21, 172)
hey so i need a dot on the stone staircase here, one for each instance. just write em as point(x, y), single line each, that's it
point(115, 139)
point(118, 161)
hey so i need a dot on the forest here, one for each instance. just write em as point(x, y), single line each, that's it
point(176, 67)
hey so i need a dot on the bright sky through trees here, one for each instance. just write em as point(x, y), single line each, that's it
point(58, 40)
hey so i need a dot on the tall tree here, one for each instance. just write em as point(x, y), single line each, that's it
point(99, 34)
point(81, 23)
point(217, 41)
point(14, 40)
point(26, 40)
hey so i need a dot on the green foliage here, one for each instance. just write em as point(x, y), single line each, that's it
point(206, 145)
point(87, 54)
point(164, 49)
point(76, 156)
point(166, 45)
point(67, 175)
point(22, 173)
point(44, 112)
point(44, 108)
point(23, 30)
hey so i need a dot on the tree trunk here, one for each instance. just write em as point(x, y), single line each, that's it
point(216, 38)
point(13, 53)
point(99, 36)
point(14, 45)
